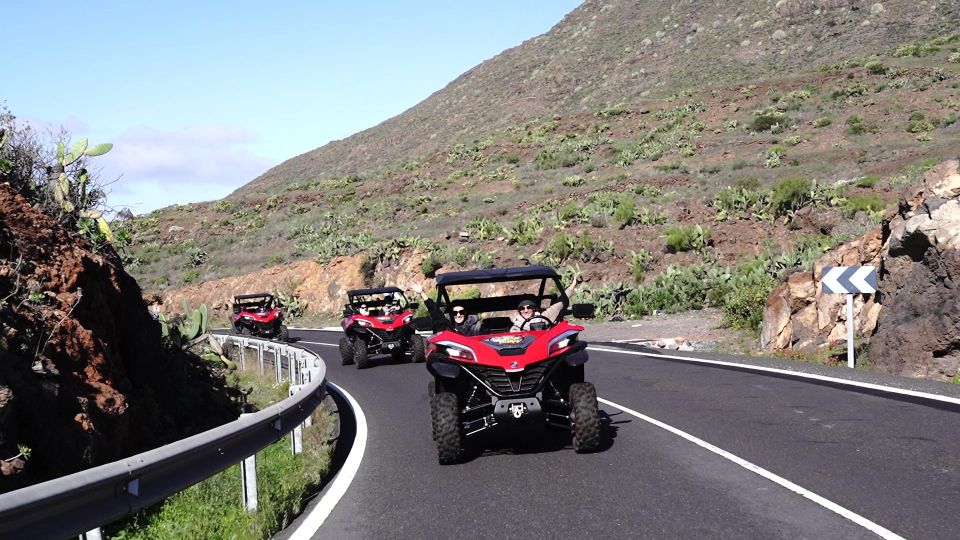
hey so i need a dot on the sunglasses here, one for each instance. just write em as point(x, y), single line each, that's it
point(526, 308)
point(458, 312)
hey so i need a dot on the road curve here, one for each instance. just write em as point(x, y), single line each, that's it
point(890, 462)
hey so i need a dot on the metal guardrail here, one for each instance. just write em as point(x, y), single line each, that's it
point(73, 504)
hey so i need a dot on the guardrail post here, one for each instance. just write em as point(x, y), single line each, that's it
point(292, 369)
point(296, 439)
point(260, 357)
point(248, 478)
point(277, 363)
point(92, 534)
point(243, 355)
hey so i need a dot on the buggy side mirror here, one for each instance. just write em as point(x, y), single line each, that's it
point(583, 311)
point(347, 312)
point(412, 306)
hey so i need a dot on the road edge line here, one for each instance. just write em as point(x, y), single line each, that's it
point(318, 514)
point(783, 482)
point(791, 373)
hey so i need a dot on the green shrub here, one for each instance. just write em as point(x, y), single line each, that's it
point(766, 120)
point(647, 216)
point(822, 122)
point(612, 110)
point(918, 123)
point(525, 231)
point(190, 276)
point(560, 247)
point(625, 214)
point(873, 205)
point(875, 68)
point(687, 238)
point(855, 125)
point(572, 181)
point(743, 306)
point(867, 181)
point(790, 195)
point(774, 155)
point(639, 263)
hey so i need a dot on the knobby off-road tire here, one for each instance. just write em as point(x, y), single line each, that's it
point(245, 331)
point(346, 351)
point(360, 355)
point(447, 431)
point(584, 417)
point(284, 334)
point(431, 393)
point(417, 349)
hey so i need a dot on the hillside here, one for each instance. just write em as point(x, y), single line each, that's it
point(666, 193)
point(613, 51)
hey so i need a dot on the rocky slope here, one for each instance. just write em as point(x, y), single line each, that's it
point(84, 379)
point(612, 51)
point(912, 322)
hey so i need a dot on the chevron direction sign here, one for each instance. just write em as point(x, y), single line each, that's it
point(849, 279)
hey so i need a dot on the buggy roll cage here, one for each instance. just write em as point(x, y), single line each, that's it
point(499, 275)
point(355, 297)
point(259, 300)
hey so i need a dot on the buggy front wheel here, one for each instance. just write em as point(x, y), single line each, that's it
point(417, 349)
point(584, 417)
point(346, 351)
point(360, 355)
point(447, 432)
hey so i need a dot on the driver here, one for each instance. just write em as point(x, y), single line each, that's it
point(528, 309)
point(363, 310)
point(392, 307)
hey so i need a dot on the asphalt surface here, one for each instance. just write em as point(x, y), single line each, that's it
point(891, 460)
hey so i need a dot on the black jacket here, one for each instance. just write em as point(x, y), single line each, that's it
point(469, 327)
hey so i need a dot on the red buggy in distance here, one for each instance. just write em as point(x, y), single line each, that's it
point(498, 377)
point(256, 315)
point(379, 321)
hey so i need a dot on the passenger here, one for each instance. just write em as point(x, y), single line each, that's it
point(363, 310)
point(392, 307)
point(527, 309)
point(457, 320)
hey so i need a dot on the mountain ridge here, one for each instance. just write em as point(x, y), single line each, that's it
point(637, 48)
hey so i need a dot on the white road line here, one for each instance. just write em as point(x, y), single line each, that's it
point(311, 524)
point(318, 343)
point(829, 505)
point(848, 382)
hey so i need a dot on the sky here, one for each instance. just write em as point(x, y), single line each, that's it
point(199, 98)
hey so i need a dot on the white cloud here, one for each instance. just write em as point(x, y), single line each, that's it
point(157, 168)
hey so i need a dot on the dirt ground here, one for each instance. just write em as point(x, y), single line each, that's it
point(697, 329)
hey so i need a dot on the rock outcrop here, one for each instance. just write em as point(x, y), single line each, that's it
point(322, 288)
point(912, 322)
point(84, 379)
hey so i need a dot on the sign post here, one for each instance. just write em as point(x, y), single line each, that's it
point(849, 280)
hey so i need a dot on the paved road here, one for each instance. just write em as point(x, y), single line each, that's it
point(891, 462)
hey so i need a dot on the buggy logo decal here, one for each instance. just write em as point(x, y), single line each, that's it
point(514, 365)
point(507, 340)
point(517, 410)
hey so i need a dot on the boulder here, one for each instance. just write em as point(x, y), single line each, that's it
point(912, 323)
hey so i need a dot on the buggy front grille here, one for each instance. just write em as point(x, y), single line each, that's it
point(503, 383)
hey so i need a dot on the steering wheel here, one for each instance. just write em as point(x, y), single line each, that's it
point(527, 324)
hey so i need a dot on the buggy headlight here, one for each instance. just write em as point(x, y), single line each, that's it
point(455, 350)
point(363, 322)
point(407, 319)
point(562, 341)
